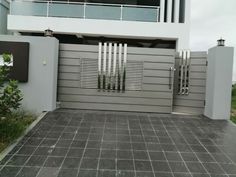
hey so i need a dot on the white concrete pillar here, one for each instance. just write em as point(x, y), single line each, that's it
point(177, 7)
point(219, 83)
point(162, 10)
point(169, 11)
point(187, 11)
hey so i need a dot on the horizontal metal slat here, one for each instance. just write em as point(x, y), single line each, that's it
point(115, 100)
point(95, 92)
point(115, 107)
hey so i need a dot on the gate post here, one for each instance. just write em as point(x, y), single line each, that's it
point(219, 83)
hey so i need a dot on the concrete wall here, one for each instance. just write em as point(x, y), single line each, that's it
point(219, 83)
point(41, 90)
point(4, 9)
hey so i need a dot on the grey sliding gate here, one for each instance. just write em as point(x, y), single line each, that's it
point(146, 77)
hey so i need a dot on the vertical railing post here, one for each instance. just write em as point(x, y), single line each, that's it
point(84, 10)
point(162, 11)
point(121, 12)
point(169, 11)
point(158, 14)
point(176, 11)
point(10, 7)
point(47, 8)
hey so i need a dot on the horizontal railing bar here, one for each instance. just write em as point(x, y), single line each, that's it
point(88, 3)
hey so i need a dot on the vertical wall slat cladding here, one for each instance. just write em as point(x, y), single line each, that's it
point(193, 102)
point(146, 86)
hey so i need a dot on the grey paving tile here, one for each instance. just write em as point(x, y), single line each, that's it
point(195, 167)
point(107, 164)
point(144, 174)
point(87, 173)
point(125, 165)
point(106, 173)
point(26, 150)
point(71, 163)
point(28, 172)
point(205, 157)
point(173, 156)
point(182, 175)
point(17, 160)
point(5, 159)
point(213, 168)
point(157, 156)
point(43, 151)
point(229, 168)
point(48, 172)
point(221, 158)
point(125, 174)
point(68, 173)
point(189, 157)
point(92, 153)
point(108, 154)
point(89, 164)
point(140, 155)
point(141, 165)
point(178, 167)
point(59, 152)
point(75, 152)
point(53, 162)
point(124, 154)
point(159, 166)
point(9, 171)
point(201, 175)
point(36, 161)
point(163, 174)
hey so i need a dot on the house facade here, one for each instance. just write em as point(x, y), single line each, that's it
point(111, 55)
point(156, 23)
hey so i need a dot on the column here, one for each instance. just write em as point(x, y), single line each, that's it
point(219, 83)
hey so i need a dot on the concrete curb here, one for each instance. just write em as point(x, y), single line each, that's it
point(9, 148)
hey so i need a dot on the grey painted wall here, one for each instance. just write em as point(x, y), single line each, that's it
point(41, 90)
point(219, 82)
point(4, 9)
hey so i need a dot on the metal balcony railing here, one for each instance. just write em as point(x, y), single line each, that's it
point(85, 10)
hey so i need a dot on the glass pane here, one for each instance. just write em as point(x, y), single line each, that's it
point(140, 14)
point(103, 12)
point(66, 10)
point(29, 8)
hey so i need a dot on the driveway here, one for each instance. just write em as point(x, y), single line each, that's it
point(69, 143)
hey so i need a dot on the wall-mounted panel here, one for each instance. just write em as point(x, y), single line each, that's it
point(20, 53)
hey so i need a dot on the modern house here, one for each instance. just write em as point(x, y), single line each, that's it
point(147, 23)
point(115, 55)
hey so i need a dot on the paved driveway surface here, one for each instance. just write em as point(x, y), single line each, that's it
point(68, 143)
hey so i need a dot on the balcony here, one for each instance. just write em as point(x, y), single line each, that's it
point(86, 10)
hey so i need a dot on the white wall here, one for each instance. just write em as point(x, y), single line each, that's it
point(140, 30)
point(40, 91)
point(219, 82)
